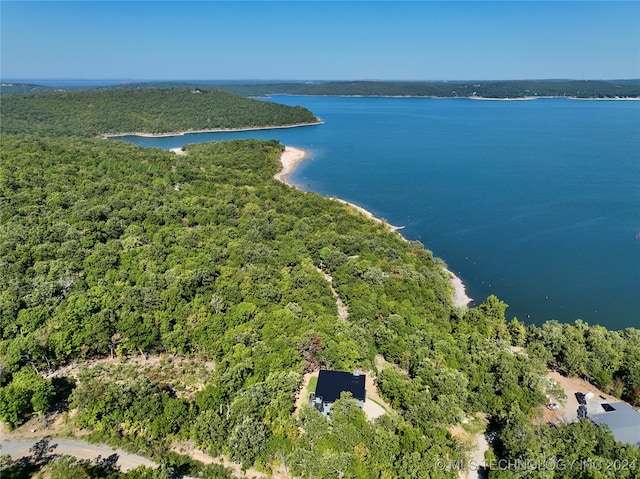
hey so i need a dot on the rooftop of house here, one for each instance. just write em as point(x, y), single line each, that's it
point(332, 383)
point(622, 419)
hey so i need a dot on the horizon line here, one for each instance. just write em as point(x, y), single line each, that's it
point(279, 80)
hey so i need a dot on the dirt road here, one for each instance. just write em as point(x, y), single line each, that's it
point(18, 448)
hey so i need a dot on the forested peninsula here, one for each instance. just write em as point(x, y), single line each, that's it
point(174, 305)
point(151, 111)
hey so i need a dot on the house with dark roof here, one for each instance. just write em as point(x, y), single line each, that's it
point(333, 383)
point(622, 419)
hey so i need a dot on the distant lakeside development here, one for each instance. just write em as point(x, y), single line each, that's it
point(582, 89)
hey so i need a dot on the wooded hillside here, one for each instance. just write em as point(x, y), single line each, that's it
point(97, 112)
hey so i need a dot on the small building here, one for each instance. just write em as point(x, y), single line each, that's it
point(333, 383)
point(622, 419)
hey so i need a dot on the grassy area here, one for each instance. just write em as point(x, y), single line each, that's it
point(313, 382)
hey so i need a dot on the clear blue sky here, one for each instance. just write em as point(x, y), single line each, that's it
point(154, 40)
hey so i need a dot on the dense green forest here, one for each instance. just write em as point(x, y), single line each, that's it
point(443, 89)
point(111, 250)
point(96, 112)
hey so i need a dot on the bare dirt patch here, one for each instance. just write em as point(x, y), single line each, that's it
point(568, 412)
point(52, 424)
point(371, 387)
point(372, 410)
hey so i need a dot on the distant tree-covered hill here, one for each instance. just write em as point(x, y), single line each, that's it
point(110, 111)
point(441, 89)
point(486, 89)
point(18, 88)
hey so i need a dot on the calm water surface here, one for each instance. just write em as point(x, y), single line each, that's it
point(537, 202)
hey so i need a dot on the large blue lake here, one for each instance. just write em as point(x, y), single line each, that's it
point(537, 202)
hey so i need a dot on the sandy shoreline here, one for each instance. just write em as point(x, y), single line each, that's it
point(459, 298)
point(178, 151)
point(213, 130)
point(368, 214)
point(290, 159)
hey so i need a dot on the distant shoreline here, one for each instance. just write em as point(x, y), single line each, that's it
point(291, 157)
point(212, 130)
point(523, 98)
point(470, 97)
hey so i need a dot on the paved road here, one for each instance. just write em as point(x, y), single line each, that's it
point(18, 448)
